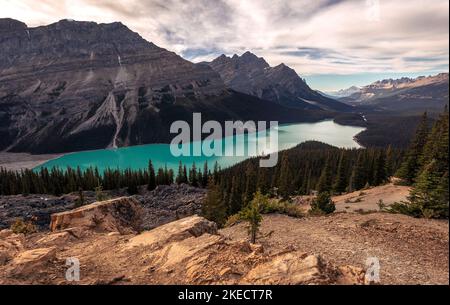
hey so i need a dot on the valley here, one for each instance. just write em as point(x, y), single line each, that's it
point(88, 99)
point(137, 157)
point(358, 194)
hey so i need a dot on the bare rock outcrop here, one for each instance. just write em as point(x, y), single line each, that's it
point(26, 262)
point(297, 268)
point(10, 245)
point(165, 204)
point(188, 251)
point(193, 226)
point(121, 214)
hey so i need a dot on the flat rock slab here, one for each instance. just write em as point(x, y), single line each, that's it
point(121, 214)
point(193, 226)
point(26, 262)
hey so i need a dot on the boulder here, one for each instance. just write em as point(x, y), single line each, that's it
point(29, 261)
point(293, 268)
point(122, 214)
point(56, 238)
point(193, 226)
point(184, 251)
point(10, 245)
point(297, 268)
point(351, 275)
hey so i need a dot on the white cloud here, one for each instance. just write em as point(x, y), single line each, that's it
point(314, 36)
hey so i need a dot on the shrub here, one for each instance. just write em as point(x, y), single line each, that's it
point(22, 227)
point(232, 220)
point(99, 195)
point(80, 200)
point(322, 205)
point(381, 205)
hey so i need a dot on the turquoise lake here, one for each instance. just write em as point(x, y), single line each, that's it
point(137, 157)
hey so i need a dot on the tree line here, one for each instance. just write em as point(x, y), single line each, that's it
point(307, 168)
point(58, 181)
point(425, 168)
point(310, 167)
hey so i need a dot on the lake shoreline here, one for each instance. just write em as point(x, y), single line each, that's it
point(21, 161)
point(137, 157)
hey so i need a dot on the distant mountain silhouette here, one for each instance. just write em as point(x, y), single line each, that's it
point(282, 85)
point(406, 95)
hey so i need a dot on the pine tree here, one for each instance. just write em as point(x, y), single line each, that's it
point(358, 178)
point(390, 162)
point(216, 171)
point(99, 196)
point(252, 214)
point(132, 187)
point(193, 177)
point(185, 176)
point(250, 184)
point(179, 178)
point(235, 201)
point(341, 183)
point(325, 180)
point(285, 180)
point(160, 177)
point(171, 176)
point(151, 177)
point(322, 204)
point(213, 207)
point(436, 147)
point(411, 165)
point(429, 196)
point(205, 175)
point(380, 175)
point(80, 201)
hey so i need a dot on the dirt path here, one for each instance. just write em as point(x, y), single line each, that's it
point(410, 251)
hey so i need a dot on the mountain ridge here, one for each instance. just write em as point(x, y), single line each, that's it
point(424, 93)
point(281, 84)
point(72, 86)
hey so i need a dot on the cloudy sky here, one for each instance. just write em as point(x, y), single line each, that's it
point(332, 43)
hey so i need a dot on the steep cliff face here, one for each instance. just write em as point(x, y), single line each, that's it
point(253, 75)
point(74, 85)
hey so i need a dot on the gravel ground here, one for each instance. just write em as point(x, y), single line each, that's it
point(409, 250)
point(19, 161)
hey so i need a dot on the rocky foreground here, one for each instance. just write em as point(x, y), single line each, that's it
point(160, 206)
point(106, 239)
point(155, 238)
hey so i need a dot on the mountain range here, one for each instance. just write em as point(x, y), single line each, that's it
point(343, 92)
point(404, 95)
point(253, 75)
point(73, 86)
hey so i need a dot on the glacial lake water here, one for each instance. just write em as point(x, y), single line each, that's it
point(137, 157)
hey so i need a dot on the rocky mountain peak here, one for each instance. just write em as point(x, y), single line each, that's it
point(285, 69)
point(10, 25)
point(252, 75)
point(77, 78)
